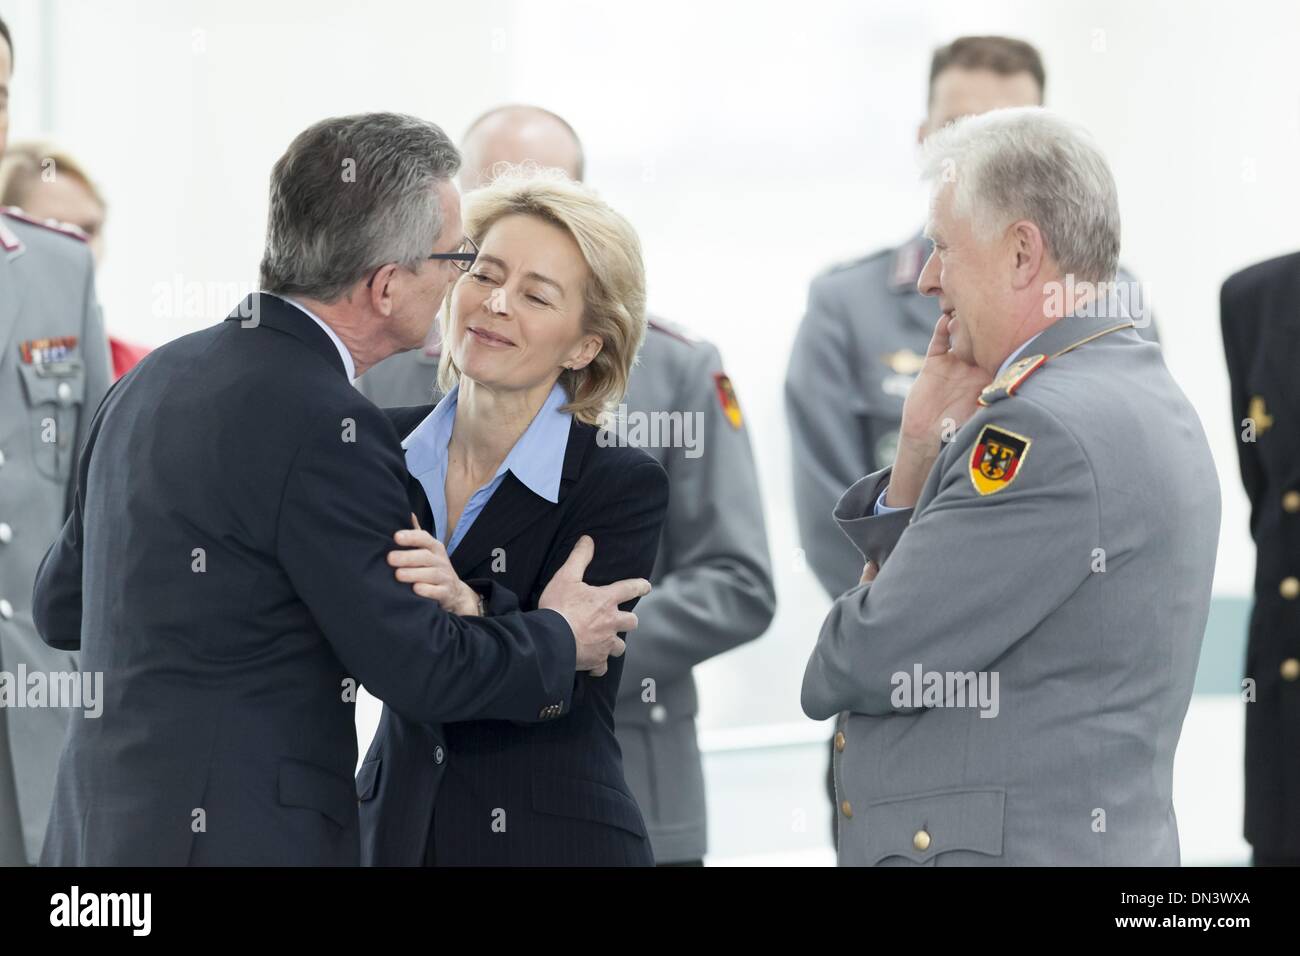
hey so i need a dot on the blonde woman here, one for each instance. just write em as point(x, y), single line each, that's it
point(539, 338)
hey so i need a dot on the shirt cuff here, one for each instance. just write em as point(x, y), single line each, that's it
point(883, 509)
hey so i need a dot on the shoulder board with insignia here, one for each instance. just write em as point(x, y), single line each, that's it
point(1014, 375)
point(54, 225)
point(1011, 378)
point(8, 240)
point(860, 260)
point(672, 331)
point(909, 260)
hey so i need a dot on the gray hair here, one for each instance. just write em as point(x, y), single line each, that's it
point(1029, 163)
point(351, 194)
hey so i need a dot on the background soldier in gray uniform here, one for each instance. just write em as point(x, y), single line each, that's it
point(1018, 661)
point(861, 342)
point(53, 372)
point(713, 585)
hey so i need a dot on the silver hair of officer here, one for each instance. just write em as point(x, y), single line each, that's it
point(1030, 163)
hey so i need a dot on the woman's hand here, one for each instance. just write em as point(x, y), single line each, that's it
point(422, 562)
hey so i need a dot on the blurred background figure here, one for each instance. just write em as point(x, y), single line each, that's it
point(1261, 340)
point(713, 585)
point(861, 342)
point(48, 184)
point(53, 373)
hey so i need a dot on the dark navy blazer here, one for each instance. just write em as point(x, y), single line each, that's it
point(225, 567)
point(500, 793)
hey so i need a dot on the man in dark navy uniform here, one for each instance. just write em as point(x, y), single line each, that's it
point(1261, 339)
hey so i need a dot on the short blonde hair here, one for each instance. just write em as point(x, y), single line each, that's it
point(614, 296)
point(24, 164)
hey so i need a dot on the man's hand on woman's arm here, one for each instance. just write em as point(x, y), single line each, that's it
point(592, 613)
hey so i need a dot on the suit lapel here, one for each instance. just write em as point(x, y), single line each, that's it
point(514, 508)
point(420, 505)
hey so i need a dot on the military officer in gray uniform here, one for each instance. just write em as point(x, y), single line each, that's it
point(1013, 671)
point(862, 339)
point(53, 372)
point(713, 585)
point(860, 345)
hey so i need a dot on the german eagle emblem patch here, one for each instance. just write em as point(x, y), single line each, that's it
point(996, 459)
point(727, 399)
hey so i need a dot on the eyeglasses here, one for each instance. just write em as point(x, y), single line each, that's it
point(463, 258)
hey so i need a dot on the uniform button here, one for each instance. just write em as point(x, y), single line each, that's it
point(6, 532)
point(439, 755)
point(1290, 588)
point(840, 741)
point(658, 713)
point(6, 609)
point(846, 808)
point(64, 391)
point(921, 840)
point(1290, 669)
point(1291, 502)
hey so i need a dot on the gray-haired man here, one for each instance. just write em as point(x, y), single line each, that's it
point(226, 555)
point(1019, 656)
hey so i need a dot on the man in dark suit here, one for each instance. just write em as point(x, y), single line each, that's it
point(225, 565)
point(1261, 338)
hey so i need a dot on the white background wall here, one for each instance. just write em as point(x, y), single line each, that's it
point(751, 143)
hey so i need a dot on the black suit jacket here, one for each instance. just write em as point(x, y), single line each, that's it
point(507, 794)
point(225, 568)
point(1260, 312)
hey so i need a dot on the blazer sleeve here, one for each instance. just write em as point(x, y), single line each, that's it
point(56, 593)
point(342, 502)
point(716, 591)
point(623, 512)
point(56, 596)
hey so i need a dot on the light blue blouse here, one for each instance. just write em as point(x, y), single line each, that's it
point(537, 459)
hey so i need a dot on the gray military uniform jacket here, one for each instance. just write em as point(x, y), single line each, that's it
point(712, 582)
point(1064, 545)
point(54, 370)
point(858, 350)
